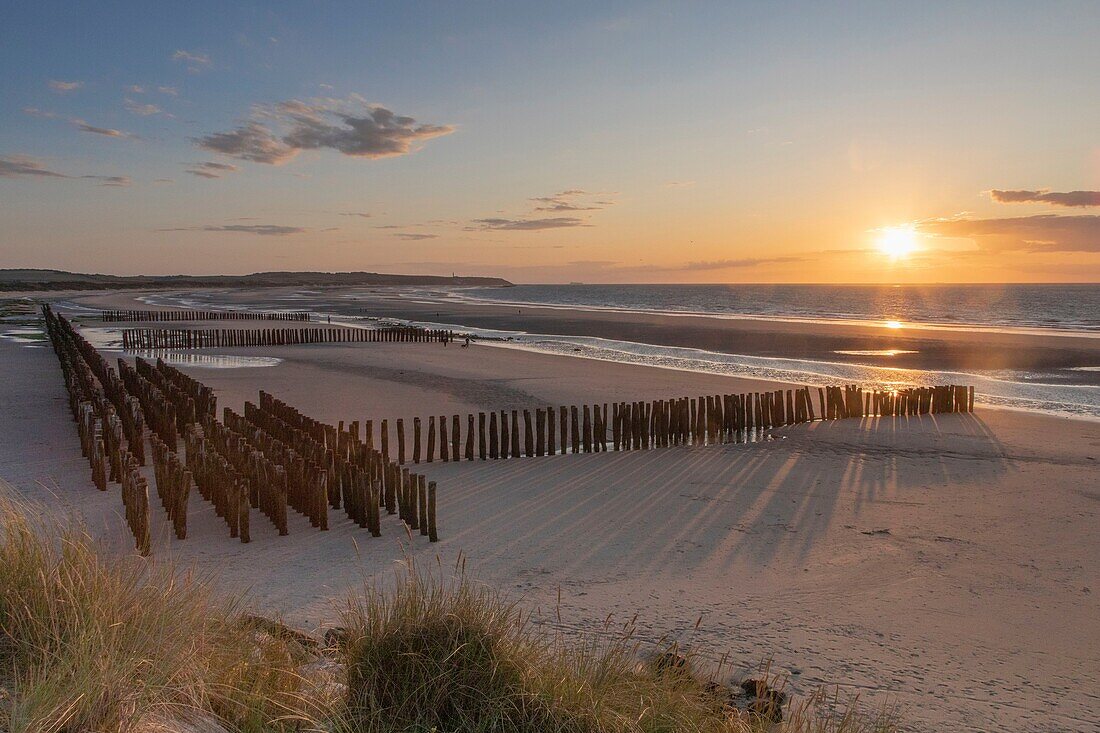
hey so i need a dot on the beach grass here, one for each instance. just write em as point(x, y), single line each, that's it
point(439, 652)
point(90, 644)
point(96, 643)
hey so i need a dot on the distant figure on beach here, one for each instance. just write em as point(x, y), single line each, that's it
point(466, 344)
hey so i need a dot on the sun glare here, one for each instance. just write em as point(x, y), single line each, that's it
point(897, 242)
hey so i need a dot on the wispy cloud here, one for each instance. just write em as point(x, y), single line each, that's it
point(80, 124)
point(348, 126)
point(267, 230)
point(529, 225)
point(414, 236)
point(572, 199)
point(568, 201)
point(35, 112)
point(141, 108)
point(62, 87)
point(15, 166)
point(679, 184)
point(210, 169)
point(105, 131)
point(1039, 233)
point(24, 166)
point(611, 266)
point(360, 214)
point(116, 181)
point(135, 89)
point(252, 142)
point(170, 91)
point(1046, 196)
point(195, 61)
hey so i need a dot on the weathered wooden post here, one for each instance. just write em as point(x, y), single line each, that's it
point(401, 441)
point(563, 423)
point(528, 435)
point(540, 432)
point(551, 442)
point(481, 447)
point(422, 503)
point(586, 430)
point(431, 438)
point(515, 434)
point(443, 453)
point(504, 433)
point(494, 436)
point(456, 438)
point(416, 440)
point(574, 429)
point(433, 535)
point(470, 436)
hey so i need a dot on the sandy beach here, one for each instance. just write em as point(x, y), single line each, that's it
point(944, 564)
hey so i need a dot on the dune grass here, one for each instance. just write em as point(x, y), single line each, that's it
point(89, 643)
point(445, 654)
point(92, 645)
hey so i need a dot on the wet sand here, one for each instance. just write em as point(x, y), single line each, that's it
point(935, 349)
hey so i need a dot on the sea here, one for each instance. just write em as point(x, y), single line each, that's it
point(1073, 391)
point(1012, 307)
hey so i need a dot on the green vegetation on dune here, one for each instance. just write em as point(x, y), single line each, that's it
point(89, 643)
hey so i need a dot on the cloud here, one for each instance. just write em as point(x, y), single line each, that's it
point(106, 131)
point(1046, 196)
point(570, 200)
point(567, 201)
point(35, 112)
point(145, 110)
point(679, 184)
point(209, 169)
point(553, 222)
point(703, 265)
point(268, 230)
point(65, 86)
point(378, 133)
point(136, 89)
point(117, 181)
point(14, 166)
point(1039, 233)
point(170, 91)
point(252, 142)
point(347, 126)
point(413, 236)
point(694, 266)
point(193, 60)
point(360, 214)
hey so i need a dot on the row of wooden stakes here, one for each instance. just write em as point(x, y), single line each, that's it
point(117, 316)
point(104, 438)
point(702, 420)
point(360, 478)
point(151, 339)
point(227, 469)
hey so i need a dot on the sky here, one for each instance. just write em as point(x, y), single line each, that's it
point(663, 142)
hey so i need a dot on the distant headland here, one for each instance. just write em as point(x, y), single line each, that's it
point(33, 279)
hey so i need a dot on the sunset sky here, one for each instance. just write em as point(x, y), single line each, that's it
point(548, 142)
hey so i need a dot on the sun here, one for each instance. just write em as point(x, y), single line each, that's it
point(897, 242)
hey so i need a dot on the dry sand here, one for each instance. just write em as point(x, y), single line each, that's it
point(946, 564)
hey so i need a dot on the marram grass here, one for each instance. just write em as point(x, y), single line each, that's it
point(90, 644)
point(124, 645)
